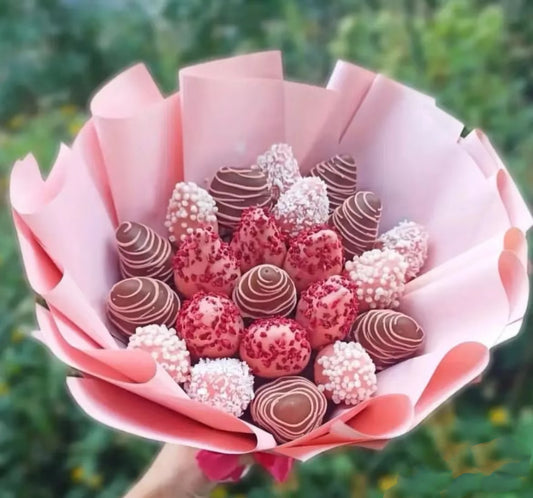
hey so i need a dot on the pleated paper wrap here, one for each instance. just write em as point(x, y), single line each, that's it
point(138, 143)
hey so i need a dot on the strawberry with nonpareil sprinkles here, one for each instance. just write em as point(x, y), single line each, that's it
point(190, 207)
point(327, 309)
point(345, 373)
point(165, 347)
point(411, 241)
point(280, 167)
point(204, 262)
point(380, 278)
point(273, 347)
point(304, 205)
point(258, 240)
point(314, 254)
point(211, 326)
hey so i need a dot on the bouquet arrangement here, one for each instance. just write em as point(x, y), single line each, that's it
point(253, 266)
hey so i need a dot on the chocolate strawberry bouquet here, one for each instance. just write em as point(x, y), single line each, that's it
point(253, 266)
point(288, 291)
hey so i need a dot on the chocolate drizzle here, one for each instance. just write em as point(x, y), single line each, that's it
point(136, 302)
point(387, 336)
point(289, 407)
point(236, 189)
point(339, 173)
point(265, 291)
point(357, 221)
point(142, 252)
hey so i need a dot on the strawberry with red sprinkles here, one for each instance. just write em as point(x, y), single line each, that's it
point(211, 326)
point(258, 240)
point(327, 309)
point(274, 347)
point(204, 262)
point(314, 254)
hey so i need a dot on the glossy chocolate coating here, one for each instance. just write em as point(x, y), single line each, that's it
point(339, 173)
point(265, 291)
point(139, 301)
point(388, 336)
point(142, 252)
point(289, 407)
point(236, 189)
point(357, 221)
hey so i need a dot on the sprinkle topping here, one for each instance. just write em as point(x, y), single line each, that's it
point(380, 278)
point(345, 373)
point(189, 207)
point(275, 346)
point(211, 325)
point(314, 254)
point(327, 309)
point(223, 383)
point(411, 241)
point(304, 205)
point(204, 262)
point(165, 347)
point(280, 167)
point(258, 239)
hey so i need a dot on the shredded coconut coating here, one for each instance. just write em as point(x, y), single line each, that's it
point(380, 278)
point(304, 205)
point(280, 167)
point(223, 383)
point(165, 347)
point(409, 239)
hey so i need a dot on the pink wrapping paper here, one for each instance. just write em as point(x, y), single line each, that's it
point(471, 296)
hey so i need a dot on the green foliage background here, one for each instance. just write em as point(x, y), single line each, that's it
point(476, 56)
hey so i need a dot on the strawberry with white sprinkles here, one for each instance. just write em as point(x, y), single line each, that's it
point(304, 205)
point(345, 373)
point(189, 207)
point(380, 278)
point(409, 239)
point(223, 383)
point(165, 347)
point(280, 167)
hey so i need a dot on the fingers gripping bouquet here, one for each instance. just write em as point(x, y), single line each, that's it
point(259, 267)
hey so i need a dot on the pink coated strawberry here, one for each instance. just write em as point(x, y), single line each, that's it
point(257, 240)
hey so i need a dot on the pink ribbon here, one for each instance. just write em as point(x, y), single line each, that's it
point(222, 467)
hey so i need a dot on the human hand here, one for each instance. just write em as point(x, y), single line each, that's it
point(173, 474)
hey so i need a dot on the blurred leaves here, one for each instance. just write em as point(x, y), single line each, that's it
point(475, 56)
